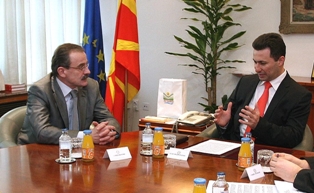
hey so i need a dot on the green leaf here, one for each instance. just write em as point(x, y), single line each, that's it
point(208, 41)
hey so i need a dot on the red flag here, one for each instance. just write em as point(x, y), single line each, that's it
point(125, 61)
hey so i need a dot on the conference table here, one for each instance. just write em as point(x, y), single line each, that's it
point(32, 168)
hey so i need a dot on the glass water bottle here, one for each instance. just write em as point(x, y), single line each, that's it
point(65, 146)
point(220, 185)
point(147, 140)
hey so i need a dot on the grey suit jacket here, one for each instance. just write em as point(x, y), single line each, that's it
point(47, 113)
point(285, 118)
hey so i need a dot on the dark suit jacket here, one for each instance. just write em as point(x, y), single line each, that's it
point(47, 113)
point(304, 180)
point(285, 118)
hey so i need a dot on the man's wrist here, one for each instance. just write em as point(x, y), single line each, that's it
point(224, 127)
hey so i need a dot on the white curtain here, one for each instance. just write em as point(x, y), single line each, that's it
point(30, 31)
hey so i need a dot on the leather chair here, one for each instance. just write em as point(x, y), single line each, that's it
point(10, 126)
point(209, 132)
point(307, 142)
point(305, 145)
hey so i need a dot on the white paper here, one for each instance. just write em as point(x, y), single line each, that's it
point(214, 147)
point(180, 154)
point(253, 172)
point(285, 187)
point(80, 134)
point(117, 154)
point(235, 187)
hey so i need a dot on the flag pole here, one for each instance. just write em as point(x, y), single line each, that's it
point(125, 120)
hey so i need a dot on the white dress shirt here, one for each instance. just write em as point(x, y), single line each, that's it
point(258, 93)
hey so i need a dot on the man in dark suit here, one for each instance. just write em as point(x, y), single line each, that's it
point(49, 100)
point(287, 109)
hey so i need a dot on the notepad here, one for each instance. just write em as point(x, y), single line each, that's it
point(214, 147)
point(237, 187)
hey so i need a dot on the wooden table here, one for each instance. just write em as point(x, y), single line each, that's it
point(32, 168)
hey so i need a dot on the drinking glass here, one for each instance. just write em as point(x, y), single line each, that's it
point(263, 158)
point(170, 141)
point(76, 147)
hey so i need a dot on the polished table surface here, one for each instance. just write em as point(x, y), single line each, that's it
point(32, 168)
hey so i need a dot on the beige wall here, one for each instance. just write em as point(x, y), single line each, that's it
point(159, 20)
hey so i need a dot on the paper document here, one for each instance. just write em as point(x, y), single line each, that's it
point(285, 187)
point(214, 147)
point(235, 187)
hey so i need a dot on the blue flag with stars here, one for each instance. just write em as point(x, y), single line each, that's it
point(93, 43)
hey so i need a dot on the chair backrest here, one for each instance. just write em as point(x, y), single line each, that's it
point(307, 141)
point(10, 126)
point(209, 132)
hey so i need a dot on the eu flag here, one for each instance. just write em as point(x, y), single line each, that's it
point(93, 43)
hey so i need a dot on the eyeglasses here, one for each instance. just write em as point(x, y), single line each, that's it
point(81, 67)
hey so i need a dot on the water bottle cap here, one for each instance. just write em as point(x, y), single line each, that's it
point(65, 129)
point(147, 124)
point(220, 173)
point(245, 139)
point(87, 131)
point(199, 180)
point(158, 128)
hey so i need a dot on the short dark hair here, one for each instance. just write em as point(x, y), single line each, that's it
point(61, 56)
point(274, 42)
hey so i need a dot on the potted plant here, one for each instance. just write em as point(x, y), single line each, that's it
point(209, 42)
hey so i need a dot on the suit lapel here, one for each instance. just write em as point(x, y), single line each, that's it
point(60, 101)
point(245, 92)
point(280, 93)
point(251, 92)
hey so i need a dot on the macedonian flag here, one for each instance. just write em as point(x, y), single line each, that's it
point(124, 74)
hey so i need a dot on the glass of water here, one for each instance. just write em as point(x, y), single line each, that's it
point(263, 158)
point(76, 147)
point(170, 141)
